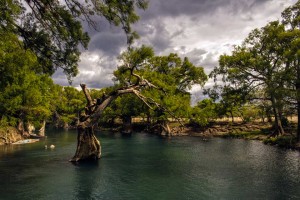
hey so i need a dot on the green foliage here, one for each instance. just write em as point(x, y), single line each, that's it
point(67, 104)
point(7, 121)
point(170, 76)
point(25, 95)
point(282, 141)
point(256, 70)
point(249, 113)
point(187, 75)
point(264, 70)
point(53, 31)
point(230, 98)
point(28, 96)
point(204, 112)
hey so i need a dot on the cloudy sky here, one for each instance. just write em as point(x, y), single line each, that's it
point(199, 29)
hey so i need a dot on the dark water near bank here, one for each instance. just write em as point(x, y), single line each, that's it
point(148, 167)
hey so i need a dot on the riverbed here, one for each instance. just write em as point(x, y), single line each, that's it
point(143, 166)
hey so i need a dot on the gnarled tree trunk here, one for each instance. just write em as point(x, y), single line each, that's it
point(42, 129)
point(165, 129)
point(88, 146)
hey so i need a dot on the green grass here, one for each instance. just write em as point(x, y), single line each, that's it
point(244, 134)
point(287, 141)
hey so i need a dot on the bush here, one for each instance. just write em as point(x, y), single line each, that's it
point(287, 141)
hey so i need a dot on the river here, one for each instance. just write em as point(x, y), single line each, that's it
point(145, 167)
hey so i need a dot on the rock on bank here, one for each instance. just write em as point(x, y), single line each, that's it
point(9, 135)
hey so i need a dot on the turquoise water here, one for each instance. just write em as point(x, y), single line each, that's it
point(149, 167)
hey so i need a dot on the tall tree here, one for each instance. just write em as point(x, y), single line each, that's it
point(291, 20)
point(131, 77)
point(25, 96)
point(172, 75)
point(257, 65)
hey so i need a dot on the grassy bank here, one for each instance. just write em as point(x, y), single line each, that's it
point(259, 131)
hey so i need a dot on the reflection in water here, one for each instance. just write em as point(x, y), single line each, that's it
point(85, 183)
point(148, 167)
point(8, 149)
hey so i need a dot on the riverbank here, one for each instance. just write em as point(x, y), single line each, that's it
point(248, 131)
point(9, 135)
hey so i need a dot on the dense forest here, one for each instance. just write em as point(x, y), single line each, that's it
point(260, 78)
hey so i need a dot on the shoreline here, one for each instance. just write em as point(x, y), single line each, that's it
point(248, 131)
point(260, 131)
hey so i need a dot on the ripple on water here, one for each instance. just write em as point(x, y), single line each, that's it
point(150, 167)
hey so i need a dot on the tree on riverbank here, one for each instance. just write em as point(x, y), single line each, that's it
point(266, 68)
point(48, 35)
point(291, 21)
point(159, 93)
point(31, 99)
point(172, 76)
point(25, 96)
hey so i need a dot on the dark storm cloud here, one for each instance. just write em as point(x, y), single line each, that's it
point(110, 39)
point(210, 61)
point(175, 8)
point(161, 39)
point(154, 33)
point(198, 29)
point(108, 42)
point(106, 38)
point(152, 28)
point(196, 56)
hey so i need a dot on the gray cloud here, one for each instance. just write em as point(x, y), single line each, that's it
point(95, 70)
point(199, 29)
point(196, 56)
point(175, 8)
point(108, 42)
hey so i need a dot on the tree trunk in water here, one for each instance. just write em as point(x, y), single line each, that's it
point(127, 125)
point(42, 129)
point(88, 146)
point(30, 128)
point(66, 126)
point(165, 129)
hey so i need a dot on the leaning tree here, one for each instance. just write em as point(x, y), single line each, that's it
point(88, 146)
point(133, 79)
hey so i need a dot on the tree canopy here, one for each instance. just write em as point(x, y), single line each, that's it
point(169, 75)
point(53, 29)
point(265, 68)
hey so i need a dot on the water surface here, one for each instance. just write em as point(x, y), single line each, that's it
point(149, 167)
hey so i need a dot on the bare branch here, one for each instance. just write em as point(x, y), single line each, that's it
point(87, 95)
